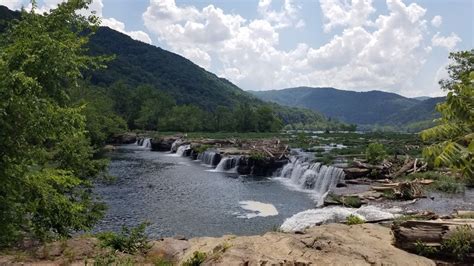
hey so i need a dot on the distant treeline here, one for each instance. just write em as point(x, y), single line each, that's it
point(121, 107)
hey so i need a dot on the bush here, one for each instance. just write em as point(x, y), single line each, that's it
point(201, 148)
point(375, 153)
point(197, 259)
point(128, 241)
point(459, 243)
point(354, 219)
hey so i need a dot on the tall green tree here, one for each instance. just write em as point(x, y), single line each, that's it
point(46, 160)
point(454, 135)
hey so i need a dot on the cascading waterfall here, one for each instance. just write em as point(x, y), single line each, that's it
point(208, 157)
point(182, 150)
point(175, 145)
point(312, 176)
point(145, 143)
point(228, 164)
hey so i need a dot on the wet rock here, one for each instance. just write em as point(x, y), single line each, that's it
point(124, 138)
point(259, 167)
point(162, 144)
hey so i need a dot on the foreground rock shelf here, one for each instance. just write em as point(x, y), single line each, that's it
point(332, 244)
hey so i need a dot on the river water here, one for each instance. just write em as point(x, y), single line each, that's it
point(178, 196)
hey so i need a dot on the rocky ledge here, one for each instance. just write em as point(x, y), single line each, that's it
point(332, 244)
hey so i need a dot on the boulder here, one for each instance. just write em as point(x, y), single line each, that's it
point(124, 138)
point(162, 144)
point(259, 167)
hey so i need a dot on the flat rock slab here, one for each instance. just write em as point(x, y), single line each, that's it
point(332, 244)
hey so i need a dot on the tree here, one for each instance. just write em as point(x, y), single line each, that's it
point(46, 160)
point(454, 135)
point(375, 153)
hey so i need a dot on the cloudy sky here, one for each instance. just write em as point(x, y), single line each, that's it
point(399, 46)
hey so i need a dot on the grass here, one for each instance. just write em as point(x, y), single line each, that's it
point(354, 219)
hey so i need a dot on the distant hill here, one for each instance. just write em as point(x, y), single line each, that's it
point(421, 98)
point(362, 108)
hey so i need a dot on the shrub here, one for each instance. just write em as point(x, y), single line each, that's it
point(128, 241)
point(354, 219)
point(459, 243)
point(197, 259)
point(258, 156)
point(375, 153)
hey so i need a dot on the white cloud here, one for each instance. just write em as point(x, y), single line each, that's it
point(437, 21)
point(287, 16)
point(12, 4)
point(384, 53)
point(341, 13)
point(120, 27)
point(448, 42)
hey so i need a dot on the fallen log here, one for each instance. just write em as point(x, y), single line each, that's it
point(414, 235)
point(407, 166)
point(360, 164)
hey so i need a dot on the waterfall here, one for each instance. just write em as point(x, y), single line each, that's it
point(182, 150)
point(312, 176)
point(228, 164)
point(175, 145)
point(145, 143)
point(209, 157)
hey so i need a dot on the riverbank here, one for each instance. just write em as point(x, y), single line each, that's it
point(331, 244)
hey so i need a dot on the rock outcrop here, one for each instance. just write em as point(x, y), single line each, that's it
point(332, 244)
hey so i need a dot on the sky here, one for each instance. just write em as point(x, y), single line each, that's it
point(399, 46)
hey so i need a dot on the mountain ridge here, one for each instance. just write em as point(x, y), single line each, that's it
point(363, 108)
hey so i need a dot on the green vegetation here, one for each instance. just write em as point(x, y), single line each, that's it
point(457, 246)
point(441, 182)
point(460, 243)
point(454, 137)
point(129, 241)
point(354, 219)
point(375, 153)
point(46, 157)
point(197, 259)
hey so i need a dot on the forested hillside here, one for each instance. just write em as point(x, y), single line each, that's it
point(362, 108)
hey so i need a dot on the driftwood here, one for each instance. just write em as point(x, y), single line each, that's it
point(360, 164)
point(403, 190)
point(407, 166)
point(409, 235)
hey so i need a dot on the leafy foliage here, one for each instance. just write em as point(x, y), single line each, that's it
point(375, 152)
point(454, 137)
point(46, 160)
point(128, 241)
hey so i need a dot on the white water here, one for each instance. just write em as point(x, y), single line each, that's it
point(145, 143)
point(175, 145)
point(315, 177)
point(257, 209)
point(182, 149)
point(313, 217)
point(228, 164)
point(207, 157)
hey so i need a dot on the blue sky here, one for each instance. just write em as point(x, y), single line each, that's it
point(399, 46)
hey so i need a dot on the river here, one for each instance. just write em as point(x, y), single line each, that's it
point(179, 196)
